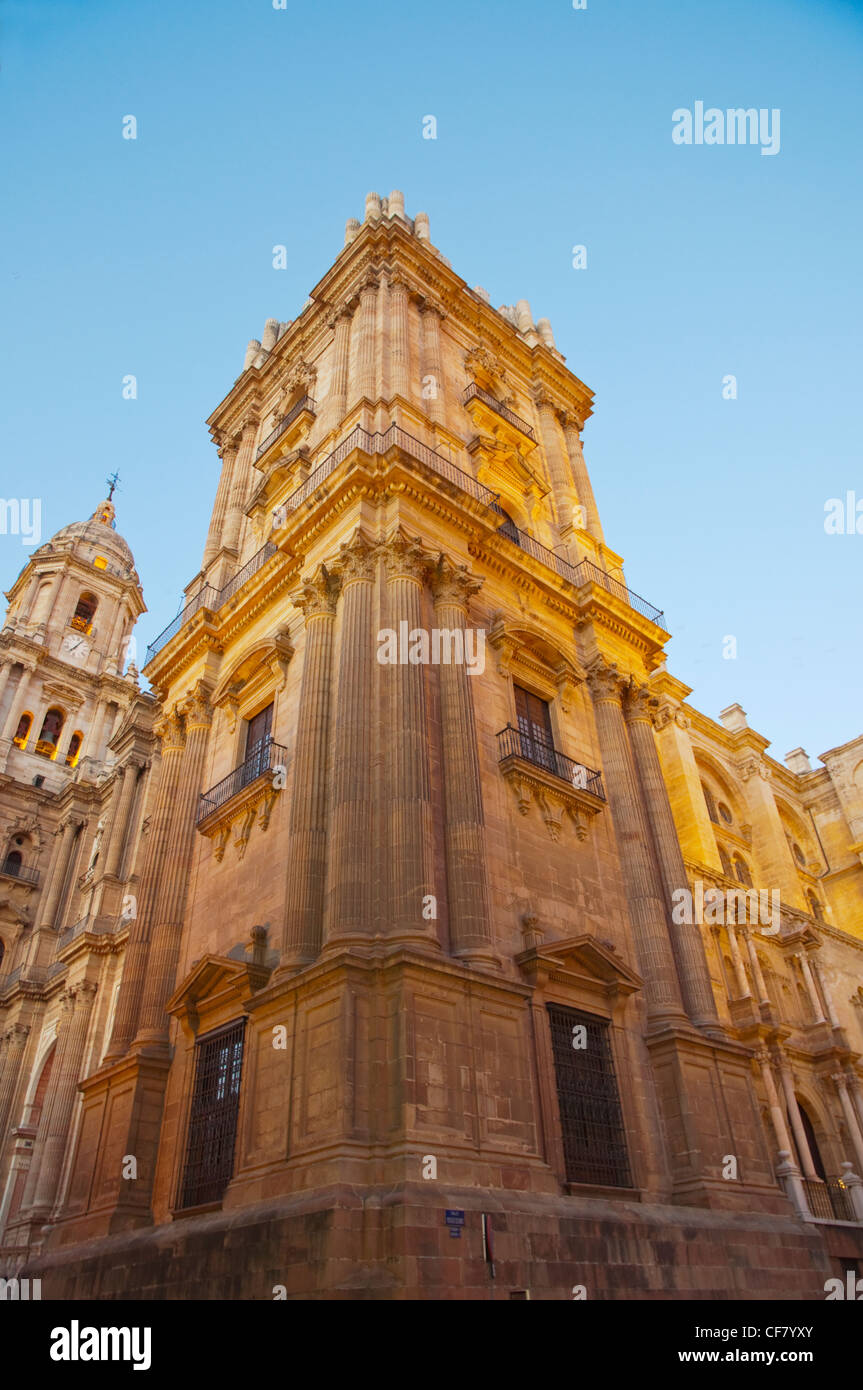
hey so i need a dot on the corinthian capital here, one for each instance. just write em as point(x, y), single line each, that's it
point(196, 707)
point(453, 584)
point(319, 595)
point(356, 559)
point(171, 729)
point(404, 557)
point(605, 681)
point(639, 701)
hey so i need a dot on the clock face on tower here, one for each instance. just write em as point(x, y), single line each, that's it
point(75, 648)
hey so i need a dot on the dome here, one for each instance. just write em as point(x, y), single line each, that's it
point(95, 537)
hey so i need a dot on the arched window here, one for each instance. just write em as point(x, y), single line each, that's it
point(2, 952)
point(741, 871)
point(726, 863)
point(52, 727)
point(25, 723)
point(725, 813)
point(12, 862)
point(809, 1131)
point(815, 905)
point(798, 854)
point(710, 803)
point(86, 607)
point(74, 748)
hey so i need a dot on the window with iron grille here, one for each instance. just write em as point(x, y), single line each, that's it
point(594, 1142)
point(213, 1118)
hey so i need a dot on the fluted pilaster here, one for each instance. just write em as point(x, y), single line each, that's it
point(555, 457)
point(170, 899)
point(337, 398)
point(433, 383)
point(173, 736)
point(228, 455)
point(367, 340)
point(58, 871)
point(14, 1043)
point(400, 340)
point(408, 803)
point(120, 823)
point(307, 844)
point(53, 1138)
point(467, 881)
point(688, 947)
point(581, 478)
point(644, 890)
point(239, 482)
point(350, 888)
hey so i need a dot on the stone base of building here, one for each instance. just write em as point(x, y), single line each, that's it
point(382, 1244)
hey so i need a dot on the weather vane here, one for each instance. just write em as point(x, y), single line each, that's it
point(112, 483)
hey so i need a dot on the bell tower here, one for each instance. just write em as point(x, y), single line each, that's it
point(67, 665)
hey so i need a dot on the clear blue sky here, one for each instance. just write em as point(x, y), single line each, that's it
point(259, 126)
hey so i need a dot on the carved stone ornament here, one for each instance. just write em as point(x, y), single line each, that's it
point(453, 584)
point(404, 557)
point(196, 707)
point(605, 681)
point(480, 362)
point(356, 559)
point(171, 730)
point(319, 595)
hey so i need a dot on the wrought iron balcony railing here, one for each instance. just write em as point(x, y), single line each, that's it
point(583, 573)
point(379, 444)
point(476, 393)
point(829, 1200)
point(514, 743)
point(305, 403)
point(265, 756)
point(13, 869)
point(208, 597)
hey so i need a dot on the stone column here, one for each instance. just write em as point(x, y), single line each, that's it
point(755, 967)
point(400, 364)
point(856, 1091)
point(5, 673)
point(336, 407)
point(562, 490)
point(125, 795)
point(854, 1131)
point(818, 979)
point(366, 340)
point(803, 1149)
point(467, 881)
point(688, 947)
point(737, 961)
point(350, 889)
point(783, 1138)
point(57, 871)
point(53, 1136)
point(408, 804)
point(18, 706)
point(643, 889)
point(157, 850)
point(239, 483)
point(307, 838)
point(228, 455)
point(173, 886)
point(581, 477)
point(15, 1039)
point(432, 391)
point(810, 987)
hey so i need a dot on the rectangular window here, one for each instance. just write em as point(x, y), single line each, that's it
point(259, 733)
point(594, 1142)
point(213, 1118)
point(534, 725)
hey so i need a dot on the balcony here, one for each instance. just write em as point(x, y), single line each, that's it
point(540, 773)
point(476, 393)
point(10, 868)
point(304, 405)
point(247, 794)
point(829, 1200)
point(211, 598)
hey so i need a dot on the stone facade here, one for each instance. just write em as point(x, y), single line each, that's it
point(415, 792)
